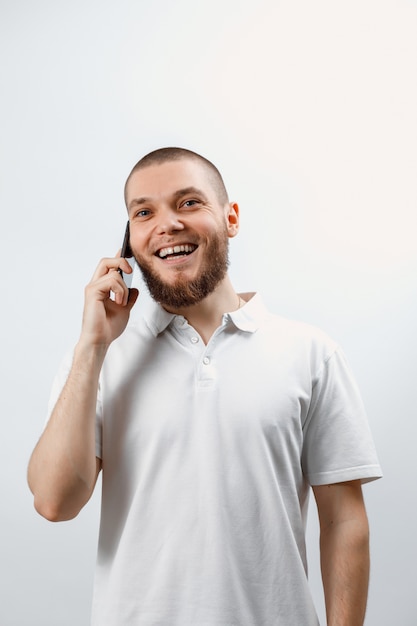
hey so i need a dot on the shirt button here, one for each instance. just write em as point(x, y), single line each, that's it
point(194, 339)
point(206, 360)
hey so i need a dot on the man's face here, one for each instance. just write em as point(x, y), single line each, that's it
point(179, 231)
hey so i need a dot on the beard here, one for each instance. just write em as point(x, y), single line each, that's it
point(184, 292)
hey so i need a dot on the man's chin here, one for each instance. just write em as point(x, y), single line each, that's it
point(180, 292)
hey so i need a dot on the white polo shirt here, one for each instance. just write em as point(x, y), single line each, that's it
point(208, 453)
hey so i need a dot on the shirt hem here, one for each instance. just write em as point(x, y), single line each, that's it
point(364, 473)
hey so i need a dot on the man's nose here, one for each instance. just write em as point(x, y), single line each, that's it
point(169, 222)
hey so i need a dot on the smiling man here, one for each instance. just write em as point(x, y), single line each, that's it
point(211, 420)
point(179, 232)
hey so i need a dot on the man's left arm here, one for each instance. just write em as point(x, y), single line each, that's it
point(344, 551)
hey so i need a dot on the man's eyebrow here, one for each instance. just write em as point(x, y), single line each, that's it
point(187, 191)
point(138, 201)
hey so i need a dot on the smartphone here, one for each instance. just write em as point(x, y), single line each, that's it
point(127, 254)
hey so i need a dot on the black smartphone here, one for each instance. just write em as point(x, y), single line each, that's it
point(127, 254)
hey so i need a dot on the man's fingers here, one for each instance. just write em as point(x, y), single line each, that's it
point(111, 283)
point(111, 264)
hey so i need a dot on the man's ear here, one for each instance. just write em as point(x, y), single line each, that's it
point(232, 217)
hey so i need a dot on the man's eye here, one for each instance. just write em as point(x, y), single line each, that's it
point(143, 213)
point(190, 203)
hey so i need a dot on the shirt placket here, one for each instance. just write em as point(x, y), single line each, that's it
point(204, 355)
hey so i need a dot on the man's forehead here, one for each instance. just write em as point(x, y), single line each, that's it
point(168, 177)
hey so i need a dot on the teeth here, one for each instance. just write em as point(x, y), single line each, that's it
point(164, 252)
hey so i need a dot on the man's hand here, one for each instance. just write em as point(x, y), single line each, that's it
point(108, 303)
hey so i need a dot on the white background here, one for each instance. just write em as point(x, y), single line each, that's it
point(309, 110)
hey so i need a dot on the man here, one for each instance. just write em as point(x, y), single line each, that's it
point(210, 418)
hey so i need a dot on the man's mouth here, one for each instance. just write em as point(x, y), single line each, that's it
point(176, 251)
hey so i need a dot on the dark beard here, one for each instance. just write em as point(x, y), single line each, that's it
point(183, 292)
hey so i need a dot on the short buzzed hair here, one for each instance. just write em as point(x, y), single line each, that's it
point(165, 155)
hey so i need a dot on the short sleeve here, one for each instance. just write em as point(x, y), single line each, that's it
point(338, 444)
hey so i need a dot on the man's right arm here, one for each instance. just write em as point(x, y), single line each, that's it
point(63, 468)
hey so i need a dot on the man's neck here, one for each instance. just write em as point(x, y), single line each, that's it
point(206, 316)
